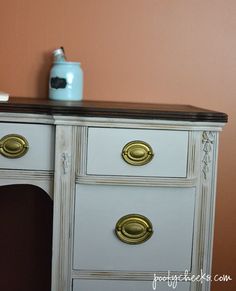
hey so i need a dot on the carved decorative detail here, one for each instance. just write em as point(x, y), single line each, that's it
point(66, 160)
point(207, 140)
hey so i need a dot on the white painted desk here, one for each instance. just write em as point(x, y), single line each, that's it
point(133, 188)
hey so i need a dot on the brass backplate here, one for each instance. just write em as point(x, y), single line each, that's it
point(133, 229)
point(137, 153)
point(13, 146)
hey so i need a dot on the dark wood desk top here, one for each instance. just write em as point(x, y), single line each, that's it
point(112, 109)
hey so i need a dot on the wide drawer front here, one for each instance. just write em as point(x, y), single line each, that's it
point(26, 146)
point(155, 236)
point(115, 285)
point(137, 152)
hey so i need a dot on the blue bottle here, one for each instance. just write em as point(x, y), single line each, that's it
point(66, 79)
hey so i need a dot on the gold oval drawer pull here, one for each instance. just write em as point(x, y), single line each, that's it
point(137, 153)
point(133, 229)
point(13, 146)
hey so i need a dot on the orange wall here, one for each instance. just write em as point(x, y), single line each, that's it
point(168, 51)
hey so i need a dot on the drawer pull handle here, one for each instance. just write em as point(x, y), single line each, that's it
point(133, 229)
point(13, 146)
point(137, 153)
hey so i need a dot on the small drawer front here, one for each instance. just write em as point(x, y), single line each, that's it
point(137, 152)
point(133, 228)
point(117, 285)
point(26, 146)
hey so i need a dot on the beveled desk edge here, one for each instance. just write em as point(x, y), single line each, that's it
point(112, 109)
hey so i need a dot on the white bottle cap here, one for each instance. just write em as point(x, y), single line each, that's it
point(58, 52)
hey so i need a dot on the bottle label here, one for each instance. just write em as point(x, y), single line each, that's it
point(58, 83)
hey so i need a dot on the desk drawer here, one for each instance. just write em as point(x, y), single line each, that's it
point(136, 152)
point(159, 240)
point(117, 285)
point(26, 146)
